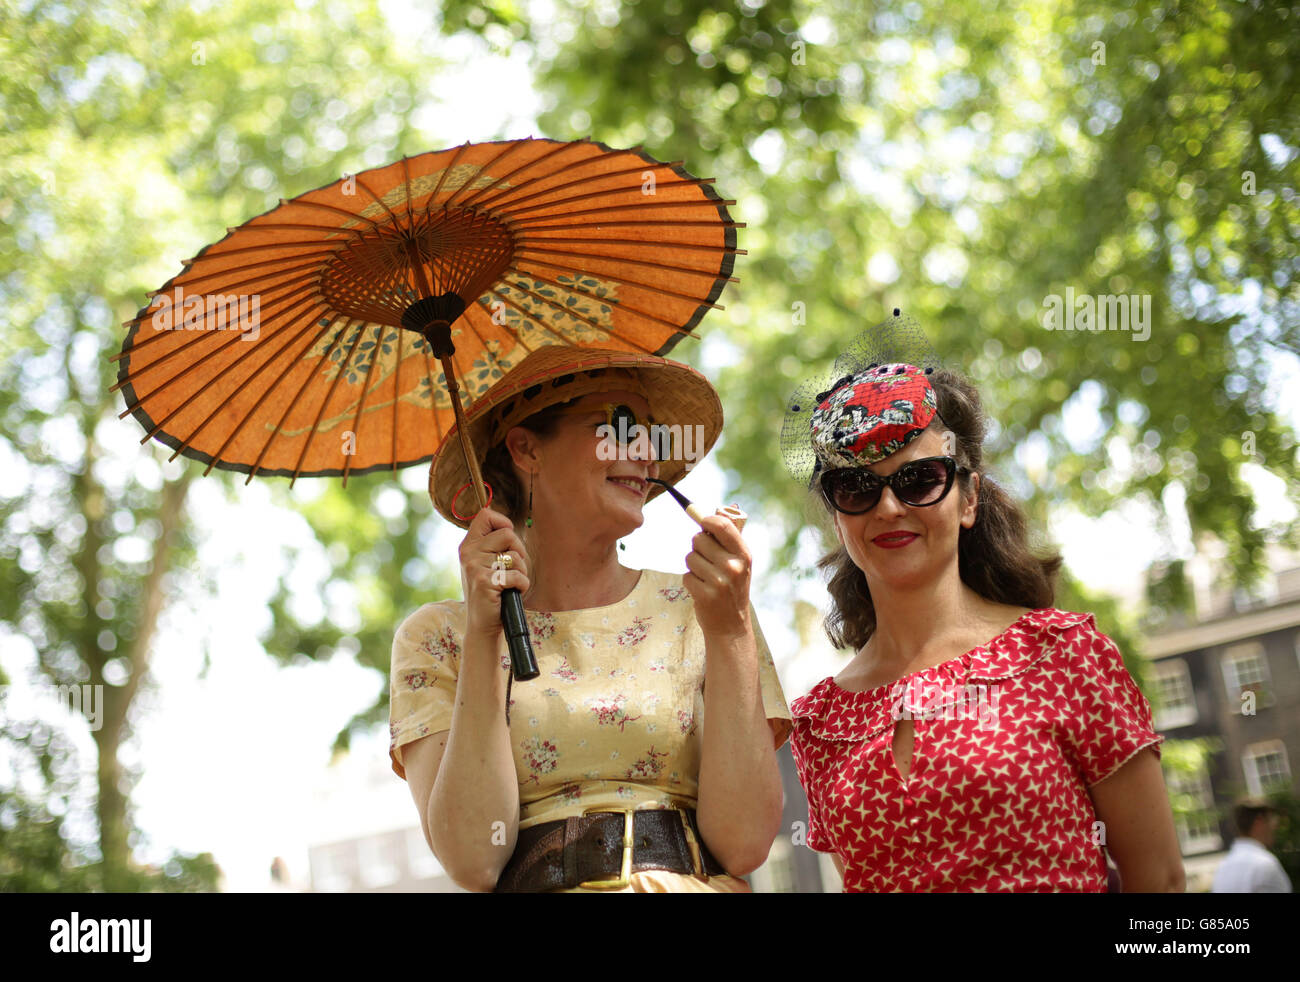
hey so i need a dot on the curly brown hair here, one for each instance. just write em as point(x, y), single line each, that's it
point(993, 556)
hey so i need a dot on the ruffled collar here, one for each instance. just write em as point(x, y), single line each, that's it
point(838, 714)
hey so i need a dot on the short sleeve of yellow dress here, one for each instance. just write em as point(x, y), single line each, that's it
point(613, 720)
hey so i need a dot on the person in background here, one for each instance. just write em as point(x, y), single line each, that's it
point(1249, 867)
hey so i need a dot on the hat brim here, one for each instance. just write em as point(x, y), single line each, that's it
point(678, 396)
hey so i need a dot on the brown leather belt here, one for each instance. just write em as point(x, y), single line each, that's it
point(602, 850)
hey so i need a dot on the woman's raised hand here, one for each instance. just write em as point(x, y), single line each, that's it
point(490, 535)
point(718, 578)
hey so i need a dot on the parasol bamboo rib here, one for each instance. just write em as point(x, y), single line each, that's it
point(630, 223)
point(628, 261)
point(265, 274)
point(320, 412)
point(442, 178)
point(147, 314)
point(684, 246)
point(624, 281)
point(524, 313)
point(397, 387)
point(557, 306)
point(366, 390)
point(200, 339)
point(377, 199)
point(587, 320)
point(191, 398)
point(622, 305)
point(305, 276)
point(518, 221)
point(572, 148)
point(493, 202)
point(509, 148)
point(317, 249)
point(636, 194)
point(308, 227)
point(310, 317)
point(290, 364)
point(289, 404)
point(502, 181)
point(199, 362)
point(514, 205)
point(263, 264)
point(637, 204)
point(351, 216)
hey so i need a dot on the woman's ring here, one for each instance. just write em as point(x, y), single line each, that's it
point(504, 561)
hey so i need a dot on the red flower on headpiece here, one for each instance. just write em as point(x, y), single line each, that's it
point(873, 415)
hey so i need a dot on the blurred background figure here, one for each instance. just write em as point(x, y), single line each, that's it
point(1249, 867)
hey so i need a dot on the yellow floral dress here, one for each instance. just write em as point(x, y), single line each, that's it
point(613, 721)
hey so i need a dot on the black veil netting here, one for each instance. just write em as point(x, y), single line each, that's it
point(898, 340)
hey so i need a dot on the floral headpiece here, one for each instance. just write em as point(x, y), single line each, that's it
point(879, 401)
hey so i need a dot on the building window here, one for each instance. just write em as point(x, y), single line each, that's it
point(1195, 818)
point(1175, 700)
point(1245, 669)
point(1265, 767)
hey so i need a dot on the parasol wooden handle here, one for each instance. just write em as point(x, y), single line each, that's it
point(471, 458)
point(523, 662)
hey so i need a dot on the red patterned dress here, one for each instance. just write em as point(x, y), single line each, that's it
point(1007, 740)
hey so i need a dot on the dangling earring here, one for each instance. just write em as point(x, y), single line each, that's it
point(623, 546)
point(529, 520)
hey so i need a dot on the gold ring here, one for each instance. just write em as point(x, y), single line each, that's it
point(504, 561)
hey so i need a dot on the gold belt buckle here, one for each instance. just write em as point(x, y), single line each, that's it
point(625, 873)
point(692, 844)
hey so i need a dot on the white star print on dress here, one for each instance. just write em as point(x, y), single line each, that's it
point(990, 803)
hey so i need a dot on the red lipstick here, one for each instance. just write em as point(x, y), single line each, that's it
point(894, 540)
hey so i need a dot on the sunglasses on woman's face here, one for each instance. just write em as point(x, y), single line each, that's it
point(918, 483)
point(621, 420)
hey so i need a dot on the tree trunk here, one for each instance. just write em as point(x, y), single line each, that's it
point(114, 824)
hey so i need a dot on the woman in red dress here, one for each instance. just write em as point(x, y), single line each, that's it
point(979, 740)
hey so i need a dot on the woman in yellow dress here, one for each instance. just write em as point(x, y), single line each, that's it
point(614, 769)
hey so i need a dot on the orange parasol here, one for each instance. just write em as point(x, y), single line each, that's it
point(344, 331)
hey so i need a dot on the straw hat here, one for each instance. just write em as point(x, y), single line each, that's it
point(678, 395)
